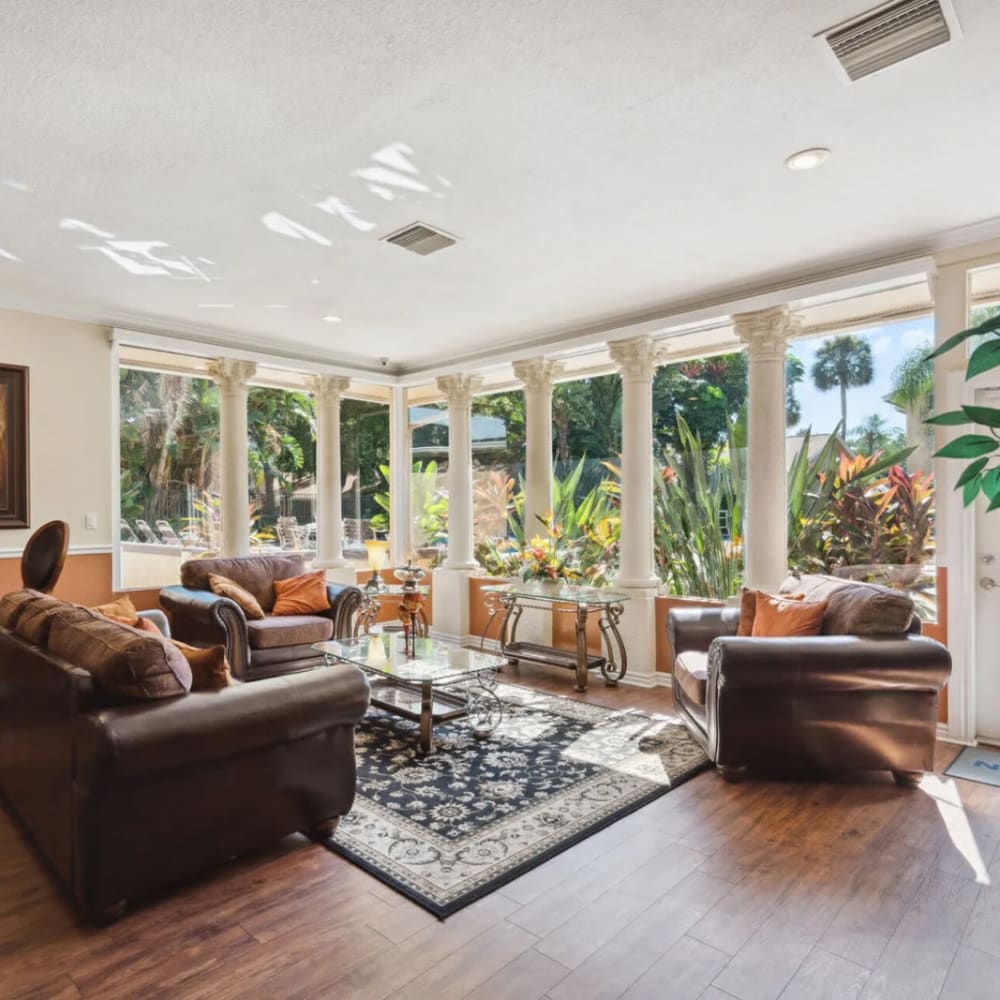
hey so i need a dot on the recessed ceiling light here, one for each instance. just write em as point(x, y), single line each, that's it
point(315, 281)
point(275, 305)
point(807, 159)
point(216, 305)
point(332, 319)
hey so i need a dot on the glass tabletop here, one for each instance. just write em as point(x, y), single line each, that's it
point(392, 590)
point(558, 593)
point(435, 661)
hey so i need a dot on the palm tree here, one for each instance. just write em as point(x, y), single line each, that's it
point(912, 393)
point(795, 372)
point(872, 435)
point(844, 362)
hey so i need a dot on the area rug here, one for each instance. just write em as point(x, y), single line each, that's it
point(976, 764)
point(451, 827)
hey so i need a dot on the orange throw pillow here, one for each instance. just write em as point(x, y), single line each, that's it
point(301, 595)
point(748, 607)
point(209, 667)
point(777, 616)
point(225, 587)
point(142, 624)
point(120, 608)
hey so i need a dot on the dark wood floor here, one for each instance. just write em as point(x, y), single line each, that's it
point(764, 890)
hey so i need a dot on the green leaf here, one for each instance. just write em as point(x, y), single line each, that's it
point(991, 325)
point(968, 446)
point(971, 490)
point(989, 416)
point(971, 471)
point(950, 419)
point(991, 482)
point(994, 503)
point(984, 358)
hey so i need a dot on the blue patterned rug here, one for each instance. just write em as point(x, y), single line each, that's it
point(449, 828)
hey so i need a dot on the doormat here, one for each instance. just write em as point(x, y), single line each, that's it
point(446, 829)
point(976, 764)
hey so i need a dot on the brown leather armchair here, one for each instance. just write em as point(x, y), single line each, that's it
point(127, 799)
point(816, 703)
point(277, 644)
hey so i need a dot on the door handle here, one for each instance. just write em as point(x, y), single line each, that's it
point(987, 582)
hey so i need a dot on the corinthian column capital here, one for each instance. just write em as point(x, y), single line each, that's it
point(231, 375)
point(328, 387)
point(766, 332)
point(538, 375)
point(459, 389)
point(636, 358)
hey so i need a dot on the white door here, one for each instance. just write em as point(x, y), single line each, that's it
point(987, 570)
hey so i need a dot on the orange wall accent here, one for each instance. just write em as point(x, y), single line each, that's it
point(86, 579)
point(478, 617)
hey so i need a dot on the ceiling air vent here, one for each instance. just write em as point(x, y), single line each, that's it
point(889, 34)
point(421, 239)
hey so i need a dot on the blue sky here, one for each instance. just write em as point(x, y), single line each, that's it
point(889, 344)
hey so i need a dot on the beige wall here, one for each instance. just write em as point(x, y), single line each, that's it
point(69, 385)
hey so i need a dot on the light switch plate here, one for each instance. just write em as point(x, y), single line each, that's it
point(90, 522)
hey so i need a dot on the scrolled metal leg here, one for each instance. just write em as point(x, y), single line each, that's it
point(581, 648)
point(485, 710)
point(614, 667)
point(426, 718)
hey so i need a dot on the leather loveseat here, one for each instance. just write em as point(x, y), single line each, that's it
point(127, 797)
point(276, 644)
point(861, 695)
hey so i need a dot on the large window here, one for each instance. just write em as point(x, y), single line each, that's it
point(281, 431)
point(861, 484)
point(364, 461)
point(699, 429)
point(429, 482)
point(169, 474)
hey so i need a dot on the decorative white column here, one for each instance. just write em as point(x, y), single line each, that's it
point(329, 390)
point(538, 377)
point(451, 579)
point(765, 529)
point(955, 547)
point(233, 379)
point(400, 474)
point(637, 359)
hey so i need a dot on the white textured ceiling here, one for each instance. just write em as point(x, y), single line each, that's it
point(595, 158)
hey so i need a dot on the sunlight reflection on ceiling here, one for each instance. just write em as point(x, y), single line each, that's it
point(7, 255)
point(949, 804)
point(15, 185)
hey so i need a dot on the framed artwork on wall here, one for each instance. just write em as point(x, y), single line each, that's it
point(13, 446)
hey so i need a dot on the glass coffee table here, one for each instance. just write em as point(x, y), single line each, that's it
point(441, 681)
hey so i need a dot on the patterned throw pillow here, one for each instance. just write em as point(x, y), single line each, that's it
point(301, 595)
point(225, 587)
point(120, 608)
point(12, 605)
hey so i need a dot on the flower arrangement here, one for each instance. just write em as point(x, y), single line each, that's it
point(548, 557)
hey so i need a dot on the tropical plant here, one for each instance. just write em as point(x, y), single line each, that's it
point(428, 504)
point(912, 393)
point(843, 363)
point(982, 474)
point(698, 517)
point(849, 510)
point(548, 557)
point(874, 434)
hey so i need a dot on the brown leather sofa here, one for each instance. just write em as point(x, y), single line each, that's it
point(819, 703)
point(125, 799)
point(277, 644)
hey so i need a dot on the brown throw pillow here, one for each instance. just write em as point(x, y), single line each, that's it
point(121, 607)
point(868, 609)
point(748, 607)
point(123, 661)
point(209, 667)
point(225, 587)
point(778, 616)
point(301, 595)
